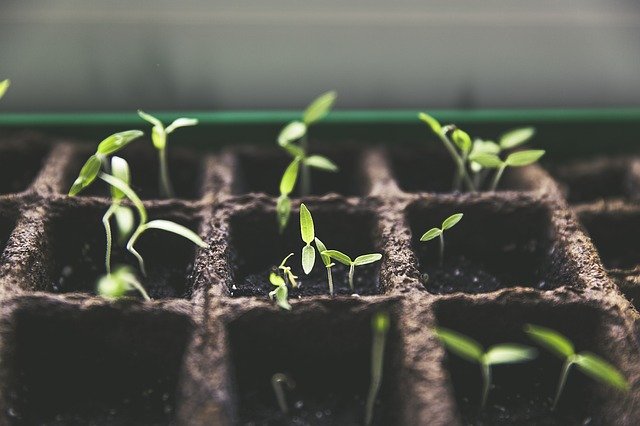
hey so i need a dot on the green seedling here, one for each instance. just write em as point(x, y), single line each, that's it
point(118, 283)
point(4, 85)
point(123, 215)
point(281, 292)
point(278, 382)
point(287, 138)
point(286, 271)
point(515, 159)
point(327, 263)
point(470, 350)
point(380, 327)
point(159, 136)
point(432, 233)
point(145, 225)
point(364, 259)
point(308, 236)
point(590, 364)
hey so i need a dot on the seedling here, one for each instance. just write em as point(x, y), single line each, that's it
point(286, 271)
point(590, 364)
point(432, 233)
point(281, 292)
point(125, 221)
point(327, 263)
point(516, 159)
point(308, 235)
point(470, 350)
point(159, 135)
point(278, 381)
point(380, 327)
point(364, 259)
point(297, 131)
point(116, 284)
point(4, 85)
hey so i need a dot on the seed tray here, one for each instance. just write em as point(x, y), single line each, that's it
point(203, 350)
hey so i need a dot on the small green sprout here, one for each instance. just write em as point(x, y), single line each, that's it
point(292, 132)
point(277, 382)
point(144, 225)
point(308, 236)
point(432, 233)
point(590, 364)
point(470, 350)
point(118, 283)
point(364, 259)
point(281, 292)
point(286, 271)
point(380, 327)
point(4, 85)
point(327, 263)
point(515, 159)
point(159, 136)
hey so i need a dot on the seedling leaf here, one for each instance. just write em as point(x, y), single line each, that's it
point(320, 162)
point(176, 228)
point(283, 209)
point(431, 234)
point(291, 132)
point(365, 259)
point(432, 122)
point(516, 137)
point(319, 108)
point(4, 85)
point(451, 221)
point(601, 370)
point(87, 175)
point(321, 249)
point(281, 293)
point(485, 147)
point(509, 354)
point(181, 122)
point(461, 345)
point(551, 340)
point(150, 118)
point(462, 140)
point(125, 221)
point(489, 161)
point(290, 177)
point(119, 169)
point(339, 256)
point(117, 141)
point(308, 258)
point(306, 225)
point(276, 279)
point(524, 158)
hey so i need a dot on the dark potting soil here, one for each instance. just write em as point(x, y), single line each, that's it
point(614, 233)
point(366, 282)
point(19, 166)
point(592, 180)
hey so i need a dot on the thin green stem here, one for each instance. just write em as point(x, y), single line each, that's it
point(330, 279)
point(351, 271)
point(458, 160)
point(377, 362)
point(107, 230)
point(457, 183)
point(497, 176)
point(141, 228)
point(277, 382)
point(136, 284)
point(441, 248)
point(166, 189)
point(305, 172)
point(563, 379)
point(486, 384)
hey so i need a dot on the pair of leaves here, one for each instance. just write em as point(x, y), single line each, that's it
point(448, 223)
point(4, 85)
point(516, 159)
point(295, 130)
point(587, 362)
point(471, 350)
point(108, 146)
point(308, 236)
point(159, 132)
point(346, 260)
point(281, 293)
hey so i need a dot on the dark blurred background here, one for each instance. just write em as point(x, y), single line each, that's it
point(90, 55)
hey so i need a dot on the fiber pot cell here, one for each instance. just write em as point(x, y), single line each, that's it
point(256, 246)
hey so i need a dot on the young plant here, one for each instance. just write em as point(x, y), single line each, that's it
point(287, 273)
point(515, 159)
point(4, 85)
point(281, 292)
point(123, 215)
point(432, 233)
point(159, 135)
point(364, 259)
point(380, 327)
point(116, 284)
point(278, 381)
point(327, 263)
point(297, 131)
point(590, 364)
point(308, 236)
point(470, 350)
